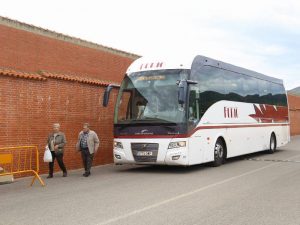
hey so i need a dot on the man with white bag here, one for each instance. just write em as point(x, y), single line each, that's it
point(56, 142)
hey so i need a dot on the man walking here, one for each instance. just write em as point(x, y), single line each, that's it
point(88, 143)
point(56, 143)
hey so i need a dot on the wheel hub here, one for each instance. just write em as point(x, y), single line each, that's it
point(219, 151)
point(272, 143)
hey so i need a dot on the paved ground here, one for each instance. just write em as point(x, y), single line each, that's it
point(265, 190)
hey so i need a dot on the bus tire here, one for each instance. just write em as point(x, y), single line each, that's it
point(219, 153)
point(273, 144)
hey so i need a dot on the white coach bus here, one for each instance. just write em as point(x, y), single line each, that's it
point(196, 111)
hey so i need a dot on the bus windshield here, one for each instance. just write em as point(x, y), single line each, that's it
point(150, 97)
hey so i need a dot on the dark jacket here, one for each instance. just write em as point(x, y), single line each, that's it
point(60, 140)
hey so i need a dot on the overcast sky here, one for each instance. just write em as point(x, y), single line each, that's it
point(261, 35)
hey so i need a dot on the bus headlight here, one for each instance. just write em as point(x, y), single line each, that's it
point(177, 144)
point(118, 144)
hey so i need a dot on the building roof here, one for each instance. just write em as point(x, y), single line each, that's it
point(75, 78)
point(295, 91)
point(44, 75)
point(20, 74)
point(52, 34)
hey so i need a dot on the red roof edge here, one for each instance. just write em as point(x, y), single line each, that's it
point(44, 75)
point(20, 74)
point(75, 78)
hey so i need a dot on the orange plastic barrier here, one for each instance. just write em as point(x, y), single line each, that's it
point(21, 159)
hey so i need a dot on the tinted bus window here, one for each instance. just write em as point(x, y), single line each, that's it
point(210, 86)
point(251, 89)
point(211, 79)
point(265, 93)
point(215, 84)
point(279, 96)
point(194, 106)
point(233, 84)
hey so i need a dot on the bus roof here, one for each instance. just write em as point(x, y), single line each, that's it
point(203, 60)
point(161, 63)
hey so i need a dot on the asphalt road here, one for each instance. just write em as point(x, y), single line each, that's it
point(264, 190)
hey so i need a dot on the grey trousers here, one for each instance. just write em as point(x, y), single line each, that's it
point(87, 159)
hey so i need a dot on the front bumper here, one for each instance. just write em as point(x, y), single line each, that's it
point(165, 156)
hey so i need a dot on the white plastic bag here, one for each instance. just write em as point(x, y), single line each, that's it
point(47, 155)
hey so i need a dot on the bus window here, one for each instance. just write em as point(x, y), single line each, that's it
point(233, 84)
point(265, 93)
point(151, 97)
point(251, 89)
point(125, 106)
point(194, 109)
point(279, 97)
point(210, 86)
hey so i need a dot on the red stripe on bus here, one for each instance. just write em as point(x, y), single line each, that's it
point(199, 128)
point(234, 126)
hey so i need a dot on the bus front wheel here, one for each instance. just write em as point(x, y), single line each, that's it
point(219, 153)
point(273, 144)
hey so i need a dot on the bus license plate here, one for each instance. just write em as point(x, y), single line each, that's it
point(144, 153)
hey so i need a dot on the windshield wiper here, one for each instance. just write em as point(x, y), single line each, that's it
point(147, 120)
point(159, 120)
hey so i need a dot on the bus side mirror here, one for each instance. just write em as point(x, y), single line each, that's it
point(182, 91)
point(107, 94)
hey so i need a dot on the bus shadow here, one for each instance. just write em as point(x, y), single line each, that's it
point(164, 169)
point(262, 154)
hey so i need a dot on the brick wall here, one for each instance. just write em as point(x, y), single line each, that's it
point(29, 107)
point(23, 50)
point(294, 105)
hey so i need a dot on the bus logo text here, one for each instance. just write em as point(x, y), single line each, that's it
point(231, 112)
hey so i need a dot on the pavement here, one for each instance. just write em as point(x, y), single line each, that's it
point(256, 189)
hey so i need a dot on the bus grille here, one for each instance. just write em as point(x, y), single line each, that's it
point(144, 152)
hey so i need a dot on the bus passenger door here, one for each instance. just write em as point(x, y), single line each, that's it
point(195, 151)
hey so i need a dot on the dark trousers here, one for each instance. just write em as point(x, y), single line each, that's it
point(59, 158)
point(87, 159)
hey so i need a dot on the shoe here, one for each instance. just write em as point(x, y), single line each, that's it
point(50, 176)
point(65, 174)
point(87, 174)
